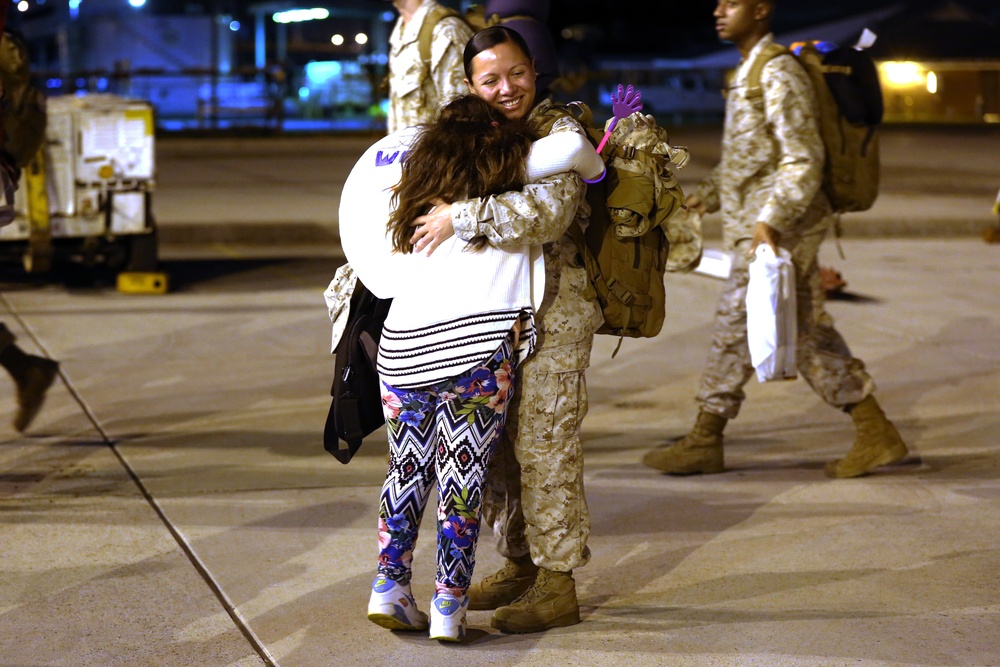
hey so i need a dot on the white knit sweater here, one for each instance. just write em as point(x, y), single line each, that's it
point(451, 309)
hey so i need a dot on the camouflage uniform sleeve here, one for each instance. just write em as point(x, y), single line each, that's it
point(790, 105)
point(708, 190)
point(539, 213)
point(447, 66)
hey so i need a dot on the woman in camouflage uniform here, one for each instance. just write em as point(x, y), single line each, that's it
point(536, 501)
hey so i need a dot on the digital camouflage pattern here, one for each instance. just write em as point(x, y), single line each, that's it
point(683, 232)
point(539, 214)
point(772, 155)
point(338, 300)
point(535, 492)
point(822, 356)
point(415, 97)
point(771, 171)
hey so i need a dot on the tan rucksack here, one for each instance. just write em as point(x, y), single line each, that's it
point(634, 234)
point(850, 110)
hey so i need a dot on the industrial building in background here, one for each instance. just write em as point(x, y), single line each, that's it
point(319, 65)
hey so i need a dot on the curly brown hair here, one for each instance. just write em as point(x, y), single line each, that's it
point(471, 150)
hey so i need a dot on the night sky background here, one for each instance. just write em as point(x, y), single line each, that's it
point(662, 28)
point(681, 28)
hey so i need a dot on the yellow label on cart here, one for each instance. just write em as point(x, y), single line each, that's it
point(136, 282)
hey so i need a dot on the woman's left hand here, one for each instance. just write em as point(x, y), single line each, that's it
point(433, 228)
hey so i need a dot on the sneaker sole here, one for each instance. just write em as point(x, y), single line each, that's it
point(391, 622)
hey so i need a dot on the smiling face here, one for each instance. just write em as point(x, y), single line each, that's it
point(505, 77)
point(742, 22)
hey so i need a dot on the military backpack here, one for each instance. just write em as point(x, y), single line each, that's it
point(634, 234)
point(850, 110)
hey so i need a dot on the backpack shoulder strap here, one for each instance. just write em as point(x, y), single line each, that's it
point(771, 51)
point(426, 34)
point(548, 117)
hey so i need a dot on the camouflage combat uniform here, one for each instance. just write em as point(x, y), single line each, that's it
point(416, 92)
point(771, 171)
point(535, 484)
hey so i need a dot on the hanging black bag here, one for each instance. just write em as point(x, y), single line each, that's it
point(356, 409)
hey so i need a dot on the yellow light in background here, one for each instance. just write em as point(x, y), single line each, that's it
point(361, 38)
point(337, 40)
point(902, 74)
point(932, 83)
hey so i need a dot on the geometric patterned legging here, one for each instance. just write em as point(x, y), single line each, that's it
point(444, 433)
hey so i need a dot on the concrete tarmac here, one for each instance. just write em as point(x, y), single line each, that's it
point(173, 505)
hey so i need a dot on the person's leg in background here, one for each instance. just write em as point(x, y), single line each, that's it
point(720, 393)
point(32, 375)
point(836, 375)
point(536, 502)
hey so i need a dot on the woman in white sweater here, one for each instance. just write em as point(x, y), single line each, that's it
point(461, 320)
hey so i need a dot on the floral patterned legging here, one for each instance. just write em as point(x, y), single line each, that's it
point(443, 433)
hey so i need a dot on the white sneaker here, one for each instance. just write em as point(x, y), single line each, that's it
point(448, 617)
point(392, 606)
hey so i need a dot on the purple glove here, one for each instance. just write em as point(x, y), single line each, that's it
point(626, 103)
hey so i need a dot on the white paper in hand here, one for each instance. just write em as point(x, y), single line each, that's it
point(771, 313)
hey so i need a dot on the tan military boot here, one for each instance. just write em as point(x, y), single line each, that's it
point(877, 442)
point(549, 603)
point(505, 585)
point(700, 451)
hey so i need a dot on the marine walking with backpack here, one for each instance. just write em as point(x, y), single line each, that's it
point(780, 181)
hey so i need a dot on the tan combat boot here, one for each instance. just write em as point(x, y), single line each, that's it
point(505, 585)
point(877, 442)
point(549, 603)
point(700, 451)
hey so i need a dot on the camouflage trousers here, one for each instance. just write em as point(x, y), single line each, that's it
point(822, 355)
point(534, 499)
